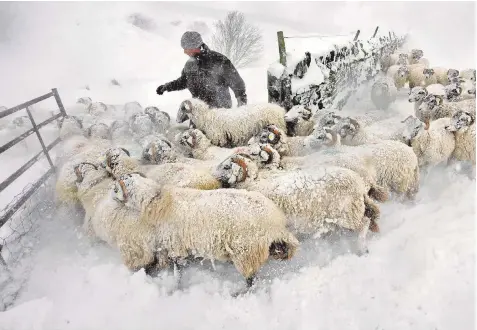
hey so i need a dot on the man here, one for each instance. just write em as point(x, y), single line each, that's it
point(207, 75)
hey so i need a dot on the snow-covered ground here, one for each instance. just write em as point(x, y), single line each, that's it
point(419, 273)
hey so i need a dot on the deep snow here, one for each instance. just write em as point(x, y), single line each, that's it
point(419, 273)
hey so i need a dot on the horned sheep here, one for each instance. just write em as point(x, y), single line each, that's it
point(299, 121)
point(418, 93)
point(225, 127)
point(434, 107)
point(308, 197)
point(277, 138)
point(463, 126)
point(213, 231)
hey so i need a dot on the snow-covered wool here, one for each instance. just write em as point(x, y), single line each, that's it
point(263, 154)
point(161, 119)
point(299, 120)
point(201, 148)
point(159, 150)
point(132, 108)
point(456, 92)
point(76, 149)
point(97, 108)
point(99, 131)
point(415, 55)
point(395, 163)
point(383, 93)
point(231, 127)
point(315, 201)
point(463, 126)
point(118, 161)
point(468, 74)
point(434, 107)
point(399, 74)
point(183, 176)
point(224, 224)
point(438, 75)
point(353, 134)
point(112, 222)
point(141, 124)
point(69, 126)
point(431, 143)
point(120, 129)
point(277, 138)
point(414, 75)
point(330, 118)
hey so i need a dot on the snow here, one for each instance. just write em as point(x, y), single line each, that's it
point(313, 76)
point(419, 273)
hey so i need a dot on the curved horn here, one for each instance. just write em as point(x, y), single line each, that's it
point(269, 152)
point(168, 143)
point(126, 151)
point(139, 173)
point(240, 162)
point(123, 189)
point(274, 129)
point(334, 137)
point(426, 124)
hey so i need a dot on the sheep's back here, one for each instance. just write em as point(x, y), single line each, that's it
point(183, 176)
point(465, 145)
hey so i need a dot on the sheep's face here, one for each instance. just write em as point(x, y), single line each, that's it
point(452, 73)
point(125, 187)
point(157, 151)
point(417, 93)
point(321, 137)
point(82, 169)
point(263, 153)
point(452, 91)
point(185, 109)
point(412, 127)
point(417, 54)
point(141, 124)
point(97, 108)
point(428, 73)
point(98, 130)
point(329, 120)
point(403, 59)
point(84, 100)
point(232, 170)
point(113, 158)
point(460, 120)
point(191, 138)
point(158, 117)
point(271, 134)
point(348, 127)
point(430, 102)
point(403, 72)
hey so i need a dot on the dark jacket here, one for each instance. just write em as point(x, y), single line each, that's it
point(208, 77)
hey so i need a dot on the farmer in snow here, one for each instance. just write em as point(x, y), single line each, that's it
point(207, 75)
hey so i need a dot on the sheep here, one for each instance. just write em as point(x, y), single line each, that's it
point(141, 124)
point(201, 148)
point(330, 119)
point(132, 108)
point(85, 100)
point(69, 126)
point(395, 163)
point(433, 107)
point(437, 75)
point(415, 55)
point(468, 74)
point(399, 74)
point(418, 93)
point(299, 121)
point(161, 119)
point(119, 130)
point(79, 149)
point(463, 126)
point(118, 161)
point(432, 144)
point(414, 75)
point(112, 222)
point(98, 130)
point(454, 92)
point(286, 146)
point(97, 108)
point(247, 237)
point(309, 198)
point(383, 93)
point(225, 127)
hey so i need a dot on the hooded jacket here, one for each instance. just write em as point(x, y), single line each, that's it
point(208, 77)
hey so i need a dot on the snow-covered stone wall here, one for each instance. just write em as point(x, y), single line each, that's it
point(325, 74)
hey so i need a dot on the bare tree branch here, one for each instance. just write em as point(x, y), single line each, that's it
point(237, 39)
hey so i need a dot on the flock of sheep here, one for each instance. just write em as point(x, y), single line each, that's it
point(235, 186)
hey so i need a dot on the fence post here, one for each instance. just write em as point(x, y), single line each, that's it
point(375, 31)
point(58, 101)
point(39, 137)
point(357, 35)
point(281, 48)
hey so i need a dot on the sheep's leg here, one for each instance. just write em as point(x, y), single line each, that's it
point(362, 246)
point(250, 281)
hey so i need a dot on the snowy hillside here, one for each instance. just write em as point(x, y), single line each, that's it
point(419, 274)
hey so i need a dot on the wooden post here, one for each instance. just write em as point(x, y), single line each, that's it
point(357, 35)
point(390, 36)
point(376, 31)
point(58, 101)
point(281, 48)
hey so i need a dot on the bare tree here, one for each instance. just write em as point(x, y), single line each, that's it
point(237, 39)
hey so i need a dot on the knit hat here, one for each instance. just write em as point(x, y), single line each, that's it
point(191, 40)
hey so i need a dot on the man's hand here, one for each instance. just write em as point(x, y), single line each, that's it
point(160, 90)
